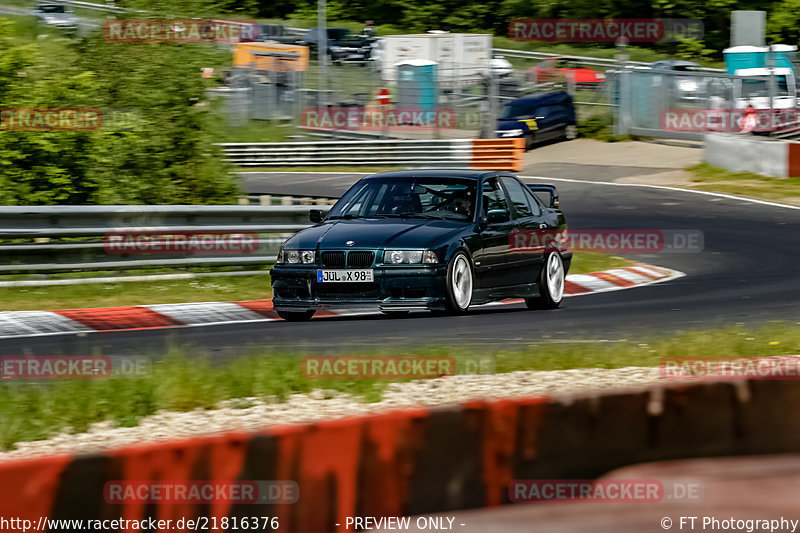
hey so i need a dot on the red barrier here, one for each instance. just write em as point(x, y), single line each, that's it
point(419, 461)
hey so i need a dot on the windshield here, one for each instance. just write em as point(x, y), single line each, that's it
point(408, 197)
point(759, 88)
point(518, 110)
point(51, 9)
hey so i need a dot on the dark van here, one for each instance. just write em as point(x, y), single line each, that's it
point(538, 118)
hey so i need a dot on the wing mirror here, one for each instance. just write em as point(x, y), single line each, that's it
point(498, 216)
point(315, 215)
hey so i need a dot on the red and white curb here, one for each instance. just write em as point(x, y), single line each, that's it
point(82, 321)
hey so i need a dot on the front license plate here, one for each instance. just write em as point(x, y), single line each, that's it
point(344, 276)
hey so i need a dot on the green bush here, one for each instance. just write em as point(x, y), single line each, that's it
point(167, 156)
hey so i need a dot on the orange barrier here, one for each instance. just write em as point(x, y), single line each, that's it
point(498, 154)
point(793, 165)
point(420, 461)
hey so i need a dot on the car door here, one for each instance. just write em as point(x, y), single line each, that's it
point(528, 229)
point(492, 258)
point(547, 120)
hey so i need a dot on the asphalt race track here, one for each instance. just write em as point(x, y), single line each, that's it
point(747, 273)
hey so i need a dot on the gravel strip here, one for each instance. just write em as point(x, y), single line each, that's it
point(320, 405)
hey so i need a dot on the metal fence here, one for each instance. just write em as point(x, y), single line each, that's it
point(59, 239)
point(473, 103)
point(686, 105)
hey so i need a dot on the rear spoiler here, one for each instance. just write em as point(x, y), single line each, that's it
point(550, 189)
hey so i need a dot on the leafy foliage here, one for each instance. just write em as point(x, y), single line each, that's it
point(167, 156)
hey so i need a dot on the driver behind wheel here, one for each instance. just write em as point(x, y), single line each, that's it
point(461, 203)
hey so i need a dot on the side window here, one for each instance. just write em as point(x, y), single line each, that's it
point(493, 196)
point(536, 202)
point(519, 200)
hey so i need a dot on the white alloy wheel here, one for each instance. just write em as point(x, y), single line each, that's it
point(555, 277)
point(460, 281)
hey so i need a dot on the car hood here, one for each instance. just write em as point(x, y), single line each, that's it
point(376, 233)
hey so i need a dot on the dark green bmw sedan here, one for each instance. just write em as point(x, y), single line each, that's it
point(438, 240)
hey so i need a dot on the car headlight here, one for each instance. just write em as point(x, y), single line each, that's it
point(336, 49)
point(687, 85)
point(296, 257)
point(510, 133)
point(600, 76)
point(398, 257)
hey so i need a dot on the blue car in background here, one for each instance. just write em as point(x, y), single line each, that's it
point(538, 118)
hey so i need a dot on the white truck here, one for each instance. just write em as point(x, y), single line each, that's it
point(461, 57)
point(754, 62)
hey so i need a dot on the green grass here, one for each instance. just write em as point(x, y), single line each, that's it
point(254, 131)
point(710, 178)
point(589, 262)
point(203, 289)
point(186, 379)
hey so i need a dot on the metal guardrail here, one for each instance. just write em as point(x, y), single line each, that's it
point(342, 134)
point(51, 239)
point(447, 153)
point(89, 5)
point(92, 6)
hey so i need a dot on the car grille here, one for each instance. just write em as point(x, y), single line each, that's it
point(347, 290)
point(333, 259)
point(360, 259)
point(354, 259)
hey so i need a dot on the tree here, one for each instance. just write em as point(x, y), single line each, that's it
point(167, 157)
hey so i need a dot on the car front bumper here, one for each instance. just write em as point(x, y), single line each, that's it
point(295, 288)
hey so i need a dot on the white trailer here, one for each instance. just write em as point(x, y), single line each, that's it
point(462, 57)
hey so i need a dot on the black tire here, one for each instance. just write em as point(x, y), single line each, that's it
point(296, 316)
point(548, 299)
point(456, 301)
point(528, 141)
